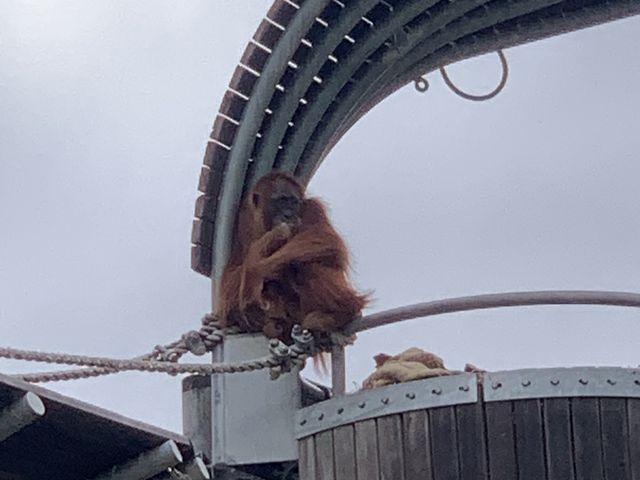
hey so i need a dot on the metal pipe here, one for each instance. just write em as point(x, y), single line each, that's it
point(494, 300)
point(338, 374)
point(147, 464)
point(19, 414)
point(196, 469)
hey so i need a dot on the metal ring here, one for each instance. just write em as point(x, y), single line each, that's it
point(421, 84)
point(480, 98)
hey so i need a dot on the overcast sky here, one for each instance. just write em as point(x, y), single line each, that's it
point(105, 109)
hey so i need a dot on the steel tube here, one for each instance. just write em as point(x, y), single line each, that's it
point(19, 414)
point(338, 372)
point(147, 464)
point(494, 300)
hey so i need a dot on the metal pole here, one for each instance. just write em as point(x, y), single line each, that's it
point(494, 300)
point(196, 469)
point(147, 464)
point(19, 414)
point(338, 374)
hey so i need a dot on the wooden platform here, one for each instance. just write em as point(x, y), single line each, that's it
point(72, 439)
point(578, 423)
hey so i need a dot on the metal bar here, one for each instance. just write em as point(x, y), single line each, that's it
point(438, 31)
point(338, 374)
point(278, 124)
point(494, 300)
point(147, 464)
point(509, 36)
point(19, 414)
point(308, 120)
point(196, 469)
point(196, 412)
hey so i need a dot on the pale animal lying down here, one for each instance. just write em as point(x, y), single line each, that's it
point(412, 364)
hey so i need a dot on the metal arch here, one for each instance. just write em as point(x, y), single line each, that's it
point(509, 36)
point(316, 148)
point(361, 51)
point(434, 36)
point(494, 300)
point(320, 52)
point(249, 126)
point(337, 119)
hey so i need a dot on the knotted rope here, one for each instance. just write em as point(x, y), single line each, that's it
point(164, 358)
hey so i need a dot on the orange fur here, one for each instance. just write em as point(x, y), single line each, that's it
point(282, 274)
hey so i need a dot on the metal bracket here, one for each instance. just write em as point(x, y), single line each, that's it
point(561, 382)
point(404, 397)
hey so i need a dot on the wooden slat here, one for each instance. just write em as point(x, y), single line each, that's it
point(233, 105)
point(201, 260)
point(206, 207)
point(202, 233)
point(243, 81)
point(216, 156)
point(390, 447)
point(254, 57)
point(613, 416)
point(500, 441)
point(282, 12)
point(444, 445)
point(587, 443)
point(324, 456)
point(529, 439)
point(224, 130)
point(633, 425)
point(307, 461)
point(267, 34)
point(417, 450)
point(344, 453)
point(471, 444)
point(558, 442)
point(367, 466)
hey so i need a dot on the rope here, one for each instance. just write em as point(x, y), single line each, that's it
point(281, 359)
point(140, 365)
point(196, 342)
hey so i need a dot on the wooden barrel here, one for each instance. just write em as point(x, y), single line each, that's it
point(567, 423)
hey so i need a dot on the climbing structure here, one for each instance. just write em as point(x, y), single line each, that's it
point(311, 71)
point(314, 67)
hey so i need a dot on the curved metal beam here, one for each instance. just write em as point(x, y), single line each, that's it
point(515, 35)
point(308, 121)
point(278, 124)
point(251, 120)
point(430, 41)
point(494, 300)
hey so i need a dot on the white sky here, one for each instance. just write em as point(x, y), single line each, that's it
point(105, 108)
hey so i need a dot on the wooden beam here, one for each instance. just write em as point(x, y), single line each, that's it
point(147, 464)
point(19, 414)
